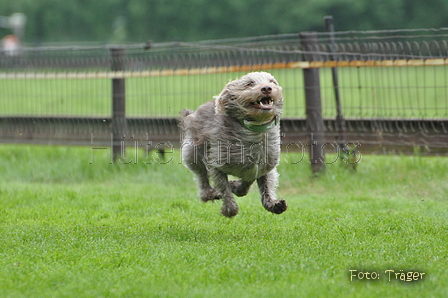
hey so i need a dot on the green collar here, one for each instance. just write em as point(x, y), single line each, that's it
point(259, 128)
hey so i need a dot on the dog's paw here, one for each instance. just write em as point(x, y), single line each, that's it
point(209, 195)
point(229, 210)
point(278, 207)
point(238, 188)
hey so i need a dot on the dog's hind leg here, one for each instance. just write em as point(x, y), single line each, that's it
point(193, 158)
point(229, 206)
point(240, 187)
point(206, 192)
point(267, 185)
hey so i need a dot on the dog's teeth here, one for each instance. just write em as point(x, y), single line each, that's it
point(267, 104)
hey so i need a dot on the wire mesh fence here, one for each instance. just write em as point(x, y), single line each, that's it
point(396, 75)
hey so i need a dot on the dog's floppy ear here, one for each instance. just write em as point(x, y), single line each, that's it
point(220, 101)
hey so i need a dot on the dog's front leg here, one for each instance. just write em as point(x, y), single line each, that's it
point(222, 185)
point(267, 185)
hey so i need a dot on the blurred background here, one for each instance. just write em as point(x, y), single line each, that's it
point(75, 71)
point(162, 20)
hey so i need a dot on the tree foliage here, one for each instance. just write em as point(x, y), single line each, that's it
point(163, 20)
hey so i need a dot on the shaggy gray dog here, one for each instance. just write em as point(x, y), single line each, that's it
point(238, 134)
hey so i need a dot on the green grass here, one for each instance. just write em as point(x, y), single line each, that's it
point(381, 92)
point(73, 229)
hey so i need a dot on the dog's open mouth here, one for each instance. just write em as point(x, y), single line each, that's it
point(264, 103)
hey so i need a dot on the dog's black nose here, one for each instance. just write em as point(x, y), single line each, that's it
point(266, 90)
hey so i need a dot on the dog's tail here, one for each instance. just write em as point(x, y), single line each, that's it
point(186, 112)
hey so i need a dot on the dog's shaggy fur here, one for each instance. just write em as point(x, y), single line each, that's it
point(236, 134)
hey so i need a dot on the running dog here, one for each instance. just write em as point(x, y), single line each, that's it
point(237, 134)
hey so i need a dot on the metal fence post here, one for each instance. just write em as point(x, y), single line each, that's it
point(340, 121)
point(118, 104)
point(314, 120)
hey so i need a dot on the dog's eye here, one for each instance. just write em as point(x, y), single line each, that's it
point(274, 82)
point(250, 84)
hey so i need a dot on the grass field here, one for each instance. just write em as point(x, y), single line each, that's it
point(377, 92)
point(73, 229)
